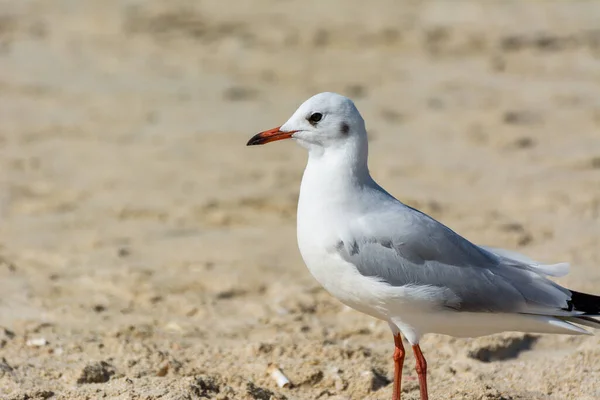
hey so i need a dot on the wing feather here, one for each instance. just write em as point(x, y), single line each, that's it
point(407, 247)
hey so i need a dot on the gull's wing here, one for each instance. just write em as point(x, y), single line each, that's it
point(403, 246)
point(509, 256)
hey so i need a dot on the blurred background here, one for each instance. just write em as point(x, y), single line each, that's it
point(146, 253)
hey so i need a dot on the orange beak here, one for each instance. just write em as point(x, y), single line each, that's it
point(269, 136)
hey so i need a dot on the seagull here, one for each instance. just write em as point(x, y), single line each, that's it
point(395, 263)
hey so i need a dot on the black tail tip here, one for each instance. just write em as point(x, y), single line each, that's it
point(589, 304)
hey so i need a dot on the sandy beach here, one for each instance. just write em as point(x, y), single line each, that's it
point(147, 253)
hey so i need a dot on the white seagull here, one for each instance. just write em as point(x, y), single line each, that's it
point(393, 262)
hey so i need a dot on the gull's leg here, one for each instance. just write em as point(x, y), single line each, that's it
point(398, 361)
point(398, 364)
point(421, 371)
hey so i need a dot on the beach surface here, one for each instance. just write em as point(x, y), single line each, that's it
point(147, 253)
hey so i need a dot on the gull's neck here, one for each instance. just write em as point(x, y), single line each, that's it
point(334, 178)
point(347, 161)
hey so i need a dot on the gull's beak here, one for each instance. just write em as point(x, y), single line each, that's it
point(269, 136)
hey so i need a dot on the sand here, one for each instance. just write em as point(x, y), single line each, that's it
point(146, 253)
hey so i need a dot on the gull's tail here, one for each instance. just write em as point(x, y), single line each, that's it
point(582, 308)
point(588, 307)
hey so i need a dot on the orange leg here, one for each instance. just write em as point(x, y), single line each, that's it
point(398, 364)
point(421, 371)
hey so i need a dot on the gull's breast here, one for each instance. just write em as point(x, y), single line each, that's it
point(341, 279)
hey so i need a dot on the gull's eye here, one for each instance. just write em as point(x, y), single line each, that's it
point(315, 117)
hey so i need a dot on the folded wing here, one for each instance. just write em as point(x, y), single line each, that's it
point(407, 247)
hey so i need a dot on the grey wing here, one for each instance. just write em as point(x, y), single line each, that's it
point(512, 257)
point(417, 250)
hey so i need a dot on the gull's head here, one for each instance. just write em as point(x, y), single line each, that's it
point(326, 120)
